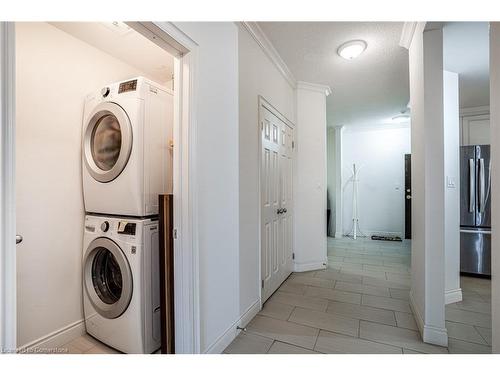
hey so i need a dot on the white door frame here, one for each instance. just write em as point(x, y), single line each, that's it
point(8, 318)
point(186, 274)
point(495, 182)
point(264, 104)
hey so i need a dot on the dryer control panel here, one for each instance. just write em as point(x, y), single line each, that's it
point(127, 86)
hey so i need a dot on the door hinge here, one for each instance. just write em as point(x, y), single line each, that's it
point(293, 255)
point(293, 144)
point(174, 233)
point(262, 284)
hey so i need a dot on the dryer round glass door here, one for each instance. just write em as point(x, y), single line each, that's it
point(107, 278)
point(107, 142)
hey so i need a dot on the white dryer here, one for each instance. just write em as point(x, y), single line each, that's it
point(121, 282)
point(126, 153)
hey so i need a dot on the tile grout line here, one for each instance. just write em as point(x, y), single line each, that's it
point(484, 339)
point(270, 346)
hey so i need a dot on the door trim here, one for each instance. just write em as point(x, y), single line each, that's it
point(264, 104)
point(185, 171)
point(8, 318)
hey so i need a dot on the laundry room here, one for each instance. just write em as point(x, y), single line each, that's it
point(94, 149)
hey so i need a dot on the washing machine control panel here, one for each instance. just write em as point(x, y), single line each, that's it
point(105, 92)
point(126, 228)
point(105, 226)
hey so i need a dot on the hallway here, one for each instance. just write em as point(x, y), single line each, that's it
point(359, 304)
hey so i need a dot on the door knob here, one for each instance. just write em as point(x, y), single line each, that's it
point(279, 211)
point(408, 197)
point(284, 210)
point(19, 239)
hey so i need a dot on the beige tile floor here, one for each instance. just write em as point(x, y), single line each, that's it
point(86, 345)
point(359, 304)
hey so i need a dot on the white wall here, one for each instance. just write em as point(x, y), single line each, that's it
point(427, 141)
point(257, 76)
point(54, 72)
point(310, 179)
point(453, 292)
point(378, 153)
point(495, 181)
point(217, 180)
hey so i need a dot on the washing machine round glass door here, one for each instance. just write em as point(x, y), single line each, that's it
point(107, 142)
point(107, 278)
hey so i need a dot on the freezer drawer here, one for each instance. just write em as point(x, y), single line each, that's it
point(475, 251)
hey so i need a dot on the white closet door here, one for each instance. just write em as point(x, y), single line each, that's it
point(276, 202)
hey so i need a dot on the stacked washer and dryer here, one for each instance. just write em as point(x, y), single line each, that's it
point(126, 164)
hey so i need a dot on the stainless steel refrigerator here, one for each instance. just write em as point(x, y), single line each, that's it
point(475, 210)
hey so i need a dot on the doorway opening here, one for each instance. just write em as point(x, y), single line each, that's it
point(407, 196)
point(466, 47)
point(50, 96)
point(369, 173)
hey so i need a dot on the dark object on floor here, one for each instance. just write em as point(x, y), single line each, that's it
point(328, 214)
point(387, 238)
point(476, 275)
point(166, 207)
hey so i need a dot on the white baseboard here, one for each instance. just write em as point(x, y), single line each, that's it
point(303, 267)
point(369, 233)
point(416, 312)
point(452, 296)
point(430, 334)
point(435, 335)
point(55, 339)
point(227, 337)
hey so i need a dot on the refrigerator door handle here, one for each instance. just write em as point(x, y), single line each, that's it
point(471, 185)
point(481, 186)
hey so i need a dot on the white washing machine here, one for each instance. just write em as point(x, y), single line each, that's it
point(121, 282)
point(126, 148)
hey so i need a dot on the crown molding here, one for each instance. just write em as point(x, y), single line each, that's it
point(265, 44)
point(408, 31)
point(324, 89)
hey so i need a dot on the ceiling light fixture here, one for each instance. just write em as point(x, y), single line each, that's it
point(117, 26)
point(352, 49)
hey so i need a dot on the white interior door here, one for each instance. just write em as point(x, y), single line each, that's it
point(276, 201)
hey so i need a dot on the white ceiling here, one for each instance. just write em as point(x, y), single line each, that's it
point(125, 44)
point(466, 52)
point(368, 90)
